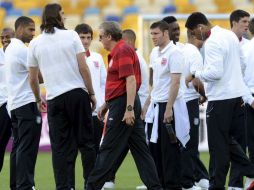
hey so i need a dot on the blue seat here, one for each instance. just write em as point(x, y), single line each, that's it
point(6, 5)
point(15, 12)
point(92, 11)
point(114, 18)
point(131, 10)
point(169, 9)
point(35, 12)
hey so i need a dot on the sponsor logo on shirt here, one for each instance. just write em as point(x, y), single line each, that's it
point(96, 64)
point(164, 61)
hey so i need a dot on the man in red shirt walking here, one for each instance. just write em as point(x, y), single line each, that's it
point(124, 126)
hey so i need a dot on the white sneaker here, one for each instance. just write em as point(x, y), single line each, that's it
point(249, 184)
point(141, 187)
point(235, 188)
point(194, 187)
point(109, 185)
point(203, 184)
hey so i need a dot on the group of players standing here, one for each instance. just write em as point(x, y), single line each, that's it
point(161, 128)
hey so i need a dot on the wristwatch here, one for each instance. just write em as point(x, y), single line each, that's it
point(129, 108)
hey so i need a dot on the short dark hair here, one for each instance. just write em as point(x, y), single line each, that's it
point(84, 29)
point(169, 19)
point(237, 15)
point(51, 18)
point(195, 19)
point(113, 29)
point(7, 29)
point(251, 26)
point(130, 33)
point(23, 21)
point(162, 25)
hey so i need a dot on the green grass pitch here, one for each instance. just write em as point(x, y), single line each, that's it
point(127, 177)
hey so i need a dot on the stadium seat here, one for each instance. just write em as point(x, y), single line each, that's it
point(169, 9)
point(130, 10)
point(91, 11)
point(102, 3)
point(206, 6)
point(222, 23)
point(2, 17)
point(83, 3)
point(130, 21)
point(161, 3)
point(72, 21)
point(227, 8)
point(222, 3)
point(41, 4)
point(71, 7)
point(148, 9)
point(35, 12)
point(6, 5)
point(114, 18)
point(93, 20)
point(187, 9)
point(141, 3)
point(2, 13)
point(14, 12)
point(123, 3)
point(26, 4)
point(181, 3)
point(111, 9)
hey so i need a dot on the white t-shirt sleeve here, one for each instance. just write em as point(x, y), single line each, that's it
point(213, 68)
point(1, 56)
point(144, 88)
point(244, 50)
point(196, 62)
point(103, 76)
point(151, 60)
point(78, 46)
point(247, 97)
point(31, 59)
point(176, 61)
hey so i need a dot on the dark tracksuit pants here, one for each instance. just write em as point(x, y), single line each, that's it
point(221, 116)
point(191, 163)
point(167, 156)
point(239, 134)
point(26, 122)
point(98, 129)
point(118, 136)
point(119, 162)
point(249, 121)
point(70, 125)
point(5, 132)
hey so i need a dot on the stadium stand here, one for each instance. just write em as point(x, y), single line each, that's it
point(93, 12)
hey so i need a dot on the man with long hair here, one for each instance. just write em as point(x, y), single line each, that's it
point(59, 54)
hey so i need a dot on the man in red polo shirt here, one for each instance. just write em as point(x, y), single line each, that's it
point(124, 126)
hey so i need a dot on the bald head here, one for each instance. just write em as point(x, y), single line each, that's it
point(6, 35)
point(129, 37)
